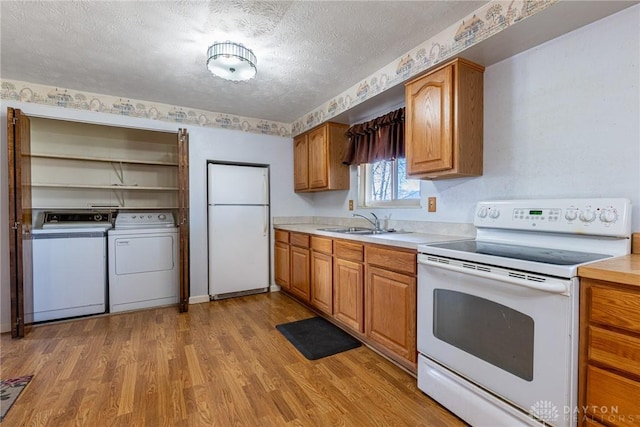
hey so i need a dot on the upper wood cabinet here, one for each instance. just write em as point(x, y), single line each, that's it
point(443, 122)
point(317, 159)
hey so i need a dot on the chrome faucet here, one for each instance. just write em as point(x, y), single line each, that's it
point(375, 222)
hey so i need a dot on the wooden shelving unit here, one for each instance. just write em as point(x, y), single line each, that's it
point(80, 165)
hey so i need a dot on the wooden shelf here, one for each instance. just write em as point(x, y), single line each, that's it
point(105, 187)
point(103, 159)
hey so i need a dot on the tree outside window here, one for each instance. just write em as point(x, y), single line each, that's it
point(385, 183)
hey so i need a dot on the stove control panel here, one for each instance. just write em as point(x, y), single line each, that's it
point(605, 217)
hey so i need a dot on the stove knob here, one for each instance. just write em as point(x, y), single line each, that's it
point(495, 213)
point(482, 212)
point(162, 217)
point(571, 215)
point(587, 215)
point(609, 215)
point(97, 217)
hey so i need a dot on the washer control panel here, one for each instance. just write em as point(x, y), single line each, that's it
point(607, 217)
point(144, 220)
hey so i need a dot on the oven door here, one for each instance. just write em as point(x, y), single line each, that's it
point(511, 333)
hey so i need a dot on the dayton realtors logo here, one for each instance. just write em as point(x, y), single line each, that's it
point(545, 411)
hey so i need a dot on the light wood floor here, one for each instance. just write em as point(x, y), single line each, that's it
point(223, 364)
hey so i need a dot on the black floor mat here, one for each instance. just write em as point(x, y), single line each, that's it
point(316, 338)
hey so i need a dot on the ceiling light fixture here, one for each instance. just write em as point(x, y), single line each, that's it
point(231, 61)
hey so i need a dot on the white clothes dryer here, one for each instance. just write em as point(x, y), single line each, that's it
point(143, 261)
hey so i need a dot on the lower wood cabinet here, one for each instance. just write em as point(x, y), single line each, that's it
point(281, 258)
point(390, 297)
point(609, 354)
point(348, 285)
point(390, 307)
point(322, 274)
point(300, 255)
point(369, 290)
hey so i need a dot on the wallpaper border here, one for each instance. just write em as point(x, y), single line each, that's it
point(483, 23)
point(13, 90)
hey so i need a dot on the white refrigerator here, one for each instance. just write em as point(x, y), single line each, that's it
point(238, 205)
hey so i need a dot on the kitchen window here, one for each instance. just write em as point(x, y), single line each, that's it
point(385, 184)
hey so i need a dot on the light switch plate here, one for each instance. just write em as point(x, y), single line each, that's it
point(350, 205)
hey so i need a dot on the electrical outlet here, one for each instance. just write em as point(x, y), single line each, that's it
point(350, 205)
point(431, 204)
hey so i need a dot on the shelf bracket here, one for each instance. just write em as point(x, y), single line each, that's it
point(120, 196)
point(118, 170)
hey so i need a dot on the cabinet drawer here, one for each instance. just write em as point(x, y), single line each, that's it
point(298, 239)
point(391, 259)
point(349, 251)
point(282, 236)
point(322, 244)
point(620, 351)
point(612, 398)
point(613, 307)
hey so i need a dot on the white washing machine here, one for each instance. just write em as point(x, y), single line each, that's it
point(69, 266)
point(143, 261)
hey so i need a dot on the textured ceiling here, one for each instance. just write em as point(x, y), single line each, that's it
point(308, 51)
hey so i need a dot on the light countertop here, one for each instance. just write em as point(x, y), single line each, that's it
point(624, 269)
point(399, 239)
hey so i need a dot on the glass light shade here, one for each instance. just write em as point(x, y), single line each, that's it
point(231, 61)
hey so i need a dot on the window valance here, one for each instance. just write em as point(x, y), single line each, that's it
point(379, 139)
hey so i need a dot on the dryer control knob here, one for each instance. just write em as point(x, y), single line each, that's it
point(162, 217)
point(495, 213)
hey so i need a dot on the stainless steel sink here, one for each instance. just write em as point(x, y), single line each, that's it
point(356, 230)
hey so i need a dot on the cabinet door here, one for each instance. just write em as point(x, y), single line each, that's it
point(300, 163)
point(299, 279)
point(281, 264)
point(322, 282)
point(429, 126)
point(318, 158)
point(390, 307)
point(348, 293)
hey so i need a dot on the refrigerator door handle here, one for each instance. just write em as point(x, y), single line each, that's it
point(265, 187)
point(266, 221)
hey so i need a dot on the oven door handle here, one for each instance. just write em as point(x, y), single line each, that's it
point(549, 285)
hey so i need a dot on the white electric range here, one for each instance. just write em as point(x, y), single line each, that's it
point(498, 315)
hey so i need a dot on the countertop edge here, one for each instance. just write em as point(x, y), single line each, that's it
point(624, 270)
point(407, 240)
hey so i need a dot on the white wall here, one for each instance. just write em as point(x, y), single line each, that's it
point(560, 120)
point(205, 144)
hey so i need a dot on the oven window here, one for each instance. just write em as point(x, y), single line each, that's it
point(493, 332)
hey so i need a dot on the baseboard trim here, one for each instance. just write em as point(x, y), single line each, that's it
point(198, 299)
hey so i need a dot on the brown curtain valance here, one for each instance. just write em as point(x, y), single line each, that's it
point(378, 139)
